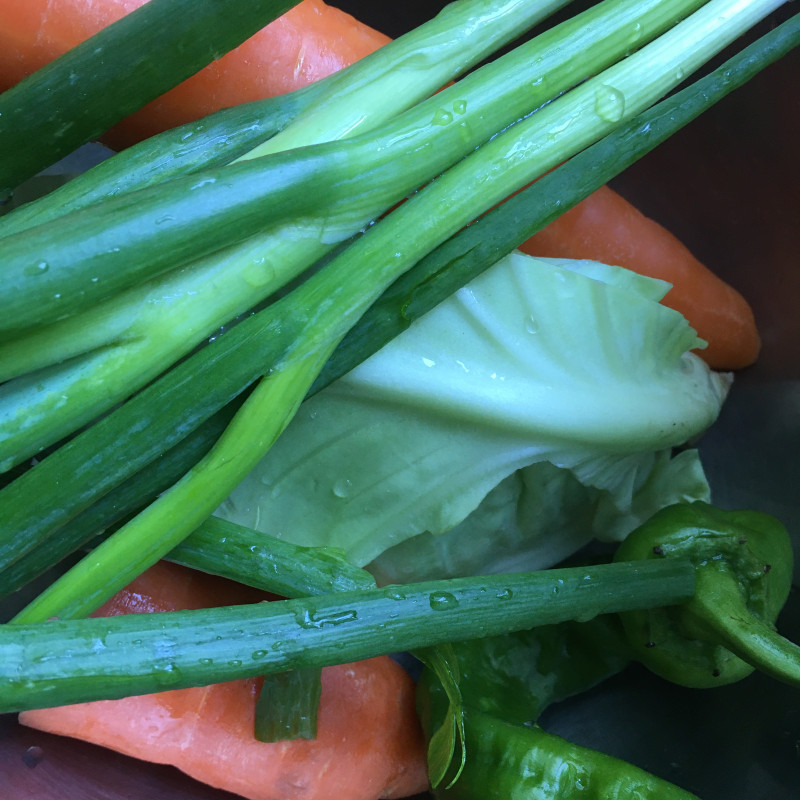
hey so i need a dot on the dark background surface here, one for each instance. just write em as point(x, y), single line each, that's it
point(728, 186)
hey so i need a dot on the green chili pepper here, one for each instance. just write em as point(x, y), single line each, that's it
point(515, 676)
point(743, 563)
point(505, 683)
point(743, 569)
point(508, 760)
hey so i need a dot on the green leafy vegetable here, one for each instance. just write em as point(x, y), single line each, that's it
point(541, 514)
point(574, 364)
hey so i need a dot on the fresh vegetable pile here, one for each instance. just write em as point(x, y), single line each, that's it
point(292, 344)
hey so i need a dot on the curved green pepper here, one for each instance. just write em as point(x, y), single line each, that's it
point(743, 564)
point(507, 761)
point(743, 569)
point(505, 683)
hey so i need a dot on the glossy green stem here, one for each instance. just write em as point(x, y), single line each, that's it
point(58, 662)
point(210, 142)
point(719, 608)
point(56, 270)
point(378, 86)
point(175, 514)
point(83, 93)
point(241, 554)
point(287, 705)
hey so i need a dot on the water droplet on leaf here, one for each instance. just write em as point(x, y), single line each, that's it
point(441, 601)
point(442, 117)
point(341, 488)
point(39, 268)
point(609, 103)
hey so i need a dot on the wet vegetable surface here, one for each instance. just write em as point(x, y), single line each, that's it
point(727, 187)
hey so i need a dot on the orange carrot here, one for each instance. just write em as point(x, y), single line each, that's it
point(605, 227)
point(307, 43)
point(369, 742)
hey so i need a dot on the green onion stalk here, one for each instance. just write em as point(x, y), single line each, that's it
point(288, 702)
point(316, 315)
point(119, 504)
point(62, 375)
point(59, 662)
point(376, 87)
point(436, 276)
point(43, 118)
point(220, 547)
point(193, 216)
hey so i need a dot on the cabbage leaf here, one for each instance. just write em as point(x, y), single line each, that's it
point(545, 396)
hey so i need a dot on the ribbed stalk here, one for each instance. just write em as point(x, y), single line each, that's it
point(246, 556)
point(354, 99)
point(60, 662)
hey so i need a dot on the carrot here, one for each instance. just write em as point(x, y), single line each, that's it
point(307, 43)
point(606, 227)
point(369, 742)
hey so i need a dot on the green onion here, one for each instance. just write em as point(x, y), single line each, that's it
point(127, 498)
point(318, 313)
point(510, 223)
point(60, 268)
point(287, 705)
point(130, 338)
point(43, 118)
point(288, 702)
point(223, 548)
point(78, 591)
point(467, 254)
point(210, 142)
point(356, 98)
point(59, 662)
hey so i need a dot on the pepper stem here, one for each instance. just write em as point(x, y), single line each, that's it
point(719, 607)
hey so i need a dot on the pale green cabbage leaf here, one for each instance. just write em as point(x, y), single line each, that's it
point(545, 397)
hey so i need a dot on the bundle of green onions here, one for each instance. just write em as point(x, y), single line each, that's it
point(165, 314)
